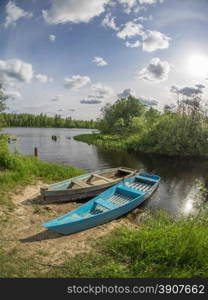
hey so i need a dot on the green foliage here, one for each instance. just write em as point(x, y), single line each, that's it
point(105, 141)
point(176, 134)
point(161, 247)
point(179, 131)
point(118, 117)
point(29, 120)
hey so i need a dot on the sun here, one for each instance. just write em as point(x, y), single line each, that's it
point(197, 65)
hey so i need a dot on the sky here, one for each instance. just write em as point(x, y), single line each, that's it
point(71, 57)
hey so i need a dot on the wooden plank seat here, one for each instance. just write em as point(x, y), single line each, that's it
point(80, 183)
point(105, 204)
point(119, 200)
point(100, 177)
point(125, 170)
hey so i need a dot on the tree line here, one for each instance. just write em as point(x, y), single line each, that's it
point(42, 120)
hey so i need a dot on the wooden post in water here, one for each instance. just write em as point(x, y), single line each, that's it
point(36, 152)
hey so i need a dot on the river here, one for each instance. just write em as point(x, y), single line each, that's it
point(178, 185)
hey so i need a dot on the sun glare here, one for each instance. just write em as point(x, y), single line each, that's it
point(197, 65)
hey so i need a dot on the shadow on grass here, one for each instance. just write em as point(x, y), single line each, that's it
point(35, 200)
point(41, 236)
point(39, 200)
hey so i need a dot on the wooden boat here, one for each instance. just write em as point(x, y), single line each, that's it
point(111, 204)
point(85, 186)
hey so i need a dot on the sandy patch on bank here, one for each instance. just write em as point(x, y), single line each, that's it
point(25, 232)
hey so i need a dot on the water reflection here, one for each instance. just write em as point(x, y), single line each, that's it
point(176, 192)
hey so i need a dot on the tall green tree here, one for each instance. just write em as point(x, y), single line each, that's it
point(118, 117)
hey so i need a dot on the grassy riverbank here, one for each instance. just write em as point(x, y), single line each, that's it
point(160, 247)
point(135, 143)
point(105, 141)
point(21, 170)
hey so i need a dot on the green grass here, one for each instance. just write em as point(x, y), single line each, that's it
point(21, 170)
point(106, 141)
point(162, 247)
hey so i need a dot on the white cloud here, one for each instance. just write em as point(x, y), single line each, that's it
point(14, 13)
point(137, 9)
point(102, 91)
point(100, 62)
point(90, 101)
point(150, 1)
point(136, 5)
point(52, 37)
point(151, 40)
point(43, 78)
point(130, 29)
point(188, 91)
point(143, 19)
point(200, 86)
point(133, 45)
point(15, 69)
point(148, 101)
point(154, 40)
point(128, 5)
point(157, 70)
point(56, 98)
point(76, 82)
point(126, 93)
point(98, 93)
point(74, 11)
point(109, 21)
point(13, 95)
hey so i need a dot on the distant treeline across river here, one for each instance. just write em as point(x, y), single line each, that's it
point(42, 120)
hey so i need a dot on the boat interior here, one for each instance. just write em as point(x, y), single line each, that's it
point(126, 193)
point(99, 179)
point(121, 195)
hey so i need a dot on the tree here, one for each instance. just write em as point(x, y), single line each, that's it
point(118, 117)
point(3, 99)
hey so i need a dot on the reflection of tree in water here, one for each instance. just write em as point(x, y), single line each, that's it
point(116, 158)
point(167, 167)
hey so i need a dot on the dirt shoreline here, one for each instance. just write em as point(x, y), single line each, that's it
point(24, 231)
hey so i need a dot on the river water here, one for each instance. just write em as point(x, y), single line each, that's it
point(178, 185)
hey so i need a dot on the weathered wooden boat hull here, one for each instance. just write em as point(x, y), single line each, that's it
point(59, 193)
point(111, 204)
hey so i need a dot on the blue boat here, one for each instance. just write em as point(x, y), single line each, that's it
point(109, 205)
